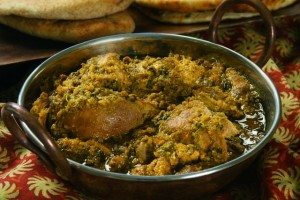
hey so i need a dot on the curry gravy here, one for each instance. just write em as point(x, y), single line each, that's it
point(152, 115)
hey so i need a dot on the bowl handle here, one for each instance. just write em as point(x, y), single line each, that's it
point(12, 115)
point(266, 16)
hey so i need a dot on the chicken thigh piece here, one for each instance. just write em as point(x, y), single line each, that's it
point(106, 120)
point(193, 123)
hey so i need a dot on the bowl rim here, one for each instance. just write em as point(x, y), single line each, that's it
point(98, 172)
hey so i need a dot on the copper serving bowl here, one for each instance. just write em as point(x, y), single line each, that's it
point(110, 185)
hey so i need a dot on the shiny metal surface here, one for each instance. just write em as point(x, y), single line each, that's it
point(12, 114)
point(266, 16)
point(157, 45)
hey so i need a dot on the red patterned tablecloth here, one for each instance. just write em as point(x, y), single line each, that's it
point(275, 175)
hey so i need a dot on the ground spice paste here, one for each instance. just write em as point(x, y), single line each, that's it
point(152, 115)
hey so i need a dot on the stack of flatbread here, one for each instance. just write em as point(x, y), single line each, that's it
point(67, 20)
point(195, 11)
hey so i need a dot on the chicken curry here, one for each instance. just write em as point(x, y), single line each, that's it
point(152, 115)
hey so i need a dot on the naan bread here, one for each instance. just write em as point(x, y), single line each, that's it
point(62, 9)
point(180, 5)
point(271, 5)
point(170, 11)
point(204, 5)
point(72, 31)
point(189, 18)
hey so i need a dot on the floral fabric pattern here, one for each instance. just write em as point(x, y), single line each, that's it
point(275, 175)
point(44, 186)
